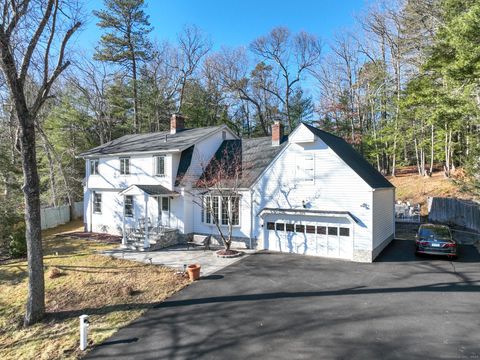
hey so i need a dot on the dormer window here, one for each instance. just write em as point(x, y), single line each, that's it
point(125, 166)
point(93, 166)
point(159, 165)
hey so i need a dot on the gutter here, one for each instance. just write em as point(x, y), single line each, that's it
point(98, 155)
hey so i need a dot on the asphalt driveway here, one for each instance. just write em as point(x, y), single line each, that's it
point(273, 306)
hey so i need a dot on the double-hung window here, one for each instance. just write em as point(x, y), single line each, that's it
point(129, 206)
point(93, 166)
point(125, 166)
point(221, 210)
point(159, 165)
point(97, 202)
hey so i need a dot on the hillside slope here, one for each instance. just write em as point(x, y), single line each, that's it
point(416, 189)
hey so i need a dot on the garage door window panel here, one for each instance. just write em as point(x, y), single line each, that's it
point(300, 228)
point(321, 230)
point(270, 226)
point(310, 229)
point(280, 226)
point(289, 227)
point(344, 231)
point(332, 231)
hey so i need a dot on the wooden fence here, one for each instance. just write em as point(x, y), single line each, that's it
point(454, 211)
point(54, 216)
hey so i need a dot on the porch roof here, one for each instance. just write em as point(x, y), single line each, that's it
point(307, 212)
point(153, 190)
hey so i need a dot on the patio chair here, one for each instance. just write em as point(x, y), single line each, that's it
point(195, 242)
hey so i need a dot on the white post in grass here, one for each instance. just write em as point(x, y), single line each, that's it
point(146, 244)
point(84, 324)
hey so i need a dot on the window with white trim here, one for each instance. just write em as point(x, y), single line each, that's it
point(97, 202)
point(159, 165)
point(125, 166)
point(220, 209)
point(94, 166)
point(128, 206)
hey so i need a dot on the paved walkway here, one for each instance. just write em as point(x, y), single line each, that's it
point(177, 256)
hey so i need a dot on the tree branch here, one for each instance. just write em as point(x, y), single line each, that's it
point(33, 43)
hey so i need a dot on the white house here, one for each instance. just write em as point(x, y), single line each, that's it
point(308, 193)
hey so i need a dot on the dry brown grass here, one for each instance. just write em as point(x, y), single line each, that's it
point(113, 291)
point(416, 188)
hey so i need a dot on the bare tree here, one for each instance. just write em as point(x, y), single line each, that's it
point(292, 55)
point(232, 68)
point(216, 192)
point(32, 35)
point(93, 82)
point(193, 45)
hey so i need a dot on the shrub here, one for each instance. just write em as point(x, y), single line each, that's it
point(55, 273)
point(17, 246)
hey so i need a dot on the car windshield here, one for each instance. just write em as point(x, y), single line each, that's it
point(439, 233)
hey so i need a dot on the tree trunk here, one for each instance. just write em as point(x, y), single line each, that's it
point(135, 96)
point(36, 286)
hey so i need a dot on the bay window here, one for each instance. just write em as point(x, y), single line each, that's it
point(221, 209)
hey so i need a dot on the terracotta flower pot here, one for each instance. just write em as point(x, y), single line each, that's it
point(193, 272)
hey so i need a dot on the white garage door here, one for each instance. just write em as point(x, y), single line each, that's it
point(325, 237)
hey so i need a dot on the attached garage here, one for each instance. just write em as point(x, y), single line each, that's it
point(316, 233)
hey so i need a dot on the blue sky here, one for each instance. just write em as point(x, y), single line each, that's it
point(235, 23)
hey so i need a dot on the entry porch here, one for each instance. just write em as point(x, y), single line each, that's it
point(149, 220)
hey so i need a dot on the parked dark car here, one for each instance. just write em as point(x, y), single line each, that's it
point(435, 240)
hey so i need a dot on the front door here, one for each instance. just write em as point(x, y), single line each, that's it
point(164, 211)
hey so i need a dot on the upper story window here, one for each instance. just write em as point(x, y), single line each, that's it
point(94, 166)
point(221, 210)
point(159, 165)
point(125, 166)
point(97, 202)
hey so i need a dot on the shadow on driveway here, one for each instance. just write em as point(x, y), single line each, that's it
point(279, 306)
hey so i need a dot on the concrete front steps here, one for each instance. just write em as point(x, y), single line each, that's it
point(157, 241)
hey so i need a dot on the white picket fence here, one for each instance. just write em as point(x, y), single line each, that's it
point(54, 216)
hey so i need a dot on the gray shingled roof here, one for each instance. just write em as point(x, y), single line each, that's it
point(352, 158)
point(152, 142)
point(255, 155)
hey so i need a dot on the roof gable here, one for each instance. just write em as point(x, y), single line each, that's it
point(352, 158)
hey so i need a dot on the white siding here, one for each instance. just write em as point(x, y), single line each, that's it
point(109, 181)
point(383, 216)
point(336, 187)
point(141, 172)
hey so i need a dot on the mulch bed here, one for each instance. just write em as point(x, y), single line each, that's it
point(107, 238)
point(228, 253)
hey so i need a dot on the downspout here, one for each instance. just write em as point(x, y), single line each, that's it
point(124, 235)
point(90, 205)
point(251, 217)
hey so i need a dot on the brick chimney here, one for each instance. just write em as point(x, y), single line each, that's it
point(277, 133)
point(177, 123)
